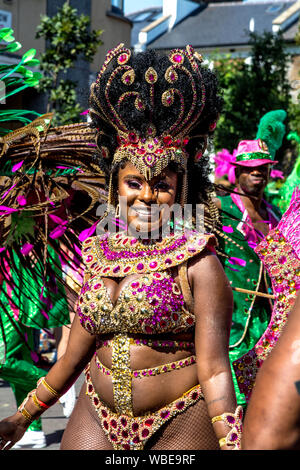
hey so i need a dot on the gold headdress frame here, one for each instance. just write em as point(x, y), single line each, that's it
point(152, 153)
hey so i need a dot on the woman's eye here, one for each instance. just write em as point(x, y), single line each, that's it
point(162, 186)
point(134, 184)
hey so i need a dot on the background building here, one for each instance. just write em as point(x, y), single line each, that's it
point(24, 16)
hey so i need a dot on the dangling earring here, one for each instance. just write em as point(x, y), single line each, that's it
point(117, 211)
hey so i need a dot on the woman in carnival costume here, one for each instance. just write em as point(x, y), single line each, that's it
point(154, 312)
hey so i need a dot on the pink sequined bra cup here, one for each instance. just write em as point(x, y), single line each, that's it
point(151, 303)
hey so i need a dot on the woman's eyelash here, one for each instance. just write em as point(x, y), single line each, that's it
point(162, 185)
point(133, 184)
point(136, 184)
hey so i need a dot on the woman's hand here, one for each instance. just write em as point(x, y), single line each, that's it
point(12, 430)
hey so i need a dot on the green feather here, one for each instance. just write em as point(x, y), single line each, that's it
point(271, 130)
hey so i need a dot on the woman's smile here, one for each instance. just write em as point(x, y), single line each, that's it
point(145, 204)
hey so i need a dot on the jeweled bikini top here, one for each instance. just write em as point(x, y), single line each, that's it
point(149, 304)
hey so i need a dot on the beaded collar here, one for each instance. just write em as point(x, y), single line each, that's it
point(119, 255)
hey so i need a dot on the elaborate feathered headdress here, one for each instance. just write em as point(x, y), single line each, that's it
point(151, 105)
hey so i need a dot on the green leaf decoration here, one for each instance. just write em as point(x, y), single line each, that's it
point(13, 47)
point(6, 34)
point(33, 63)
point(34, 80)
point(29, 55)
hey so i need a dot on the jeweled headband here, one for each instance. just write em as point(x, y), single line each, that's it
point(151, 152)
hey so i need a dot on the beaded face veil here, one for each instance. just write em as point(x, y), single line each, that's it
point(122, 87)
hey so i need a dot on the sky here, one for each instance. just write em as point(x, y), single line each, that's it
point(134, 5)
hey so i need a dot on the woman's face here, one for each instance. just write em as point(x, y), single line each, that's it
point(145, 203)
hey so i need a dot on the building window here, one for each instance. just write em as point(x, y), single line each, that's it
point(117, 6)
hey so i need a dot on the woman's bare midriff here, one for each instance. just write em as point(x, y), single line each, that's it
point(148, 393)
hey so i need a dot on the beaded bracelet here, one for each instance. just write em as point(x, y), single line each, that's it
point(48, 387)
point(234, 421)
point(38, 403)
point(28, 416)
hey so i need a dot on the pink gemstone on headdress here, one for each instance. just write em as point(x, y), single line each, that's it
point(158, 151)
point(167, 140)
point(178, 58)
point(168, 261)
point(141, 151)
point(150, 146)
point(140, 266)
point(122, 58)
point(132, 137)
point(282, 259)
point(116, 269)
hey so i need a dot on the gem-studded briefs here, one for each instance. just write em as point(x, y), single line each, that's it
point(132, 432)
point(139, 374)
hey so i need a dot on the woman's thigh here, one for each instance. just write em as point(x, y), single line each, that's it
point(83, 431)
point(190, 430)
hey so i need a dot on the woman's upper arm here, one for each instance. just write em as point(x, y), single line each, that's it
point(81, 344)
point(213, 304)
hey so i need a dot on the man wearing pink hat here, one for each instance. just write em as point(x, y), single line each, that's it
point(246, 218)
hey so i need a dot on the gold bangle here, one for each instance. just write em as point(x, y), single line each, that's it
point(217, 418)
point(48, 387)
point(26, 415)
point(222, 441)
point(35, 401)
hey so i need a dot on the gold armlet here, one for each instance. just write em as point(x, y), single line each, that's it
point(234, 421)
point(38, 403)
point(48, 387)
point(28, 416)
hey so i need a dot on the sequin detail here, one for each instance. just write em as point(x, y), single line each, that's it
point(165, 344)
point(151, 304)
point(118, 255)
point(140, 374)
point(131, 433)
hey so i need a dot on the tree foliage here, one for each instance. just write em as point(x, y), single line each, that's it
point(68, 37)
point(251, 88)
